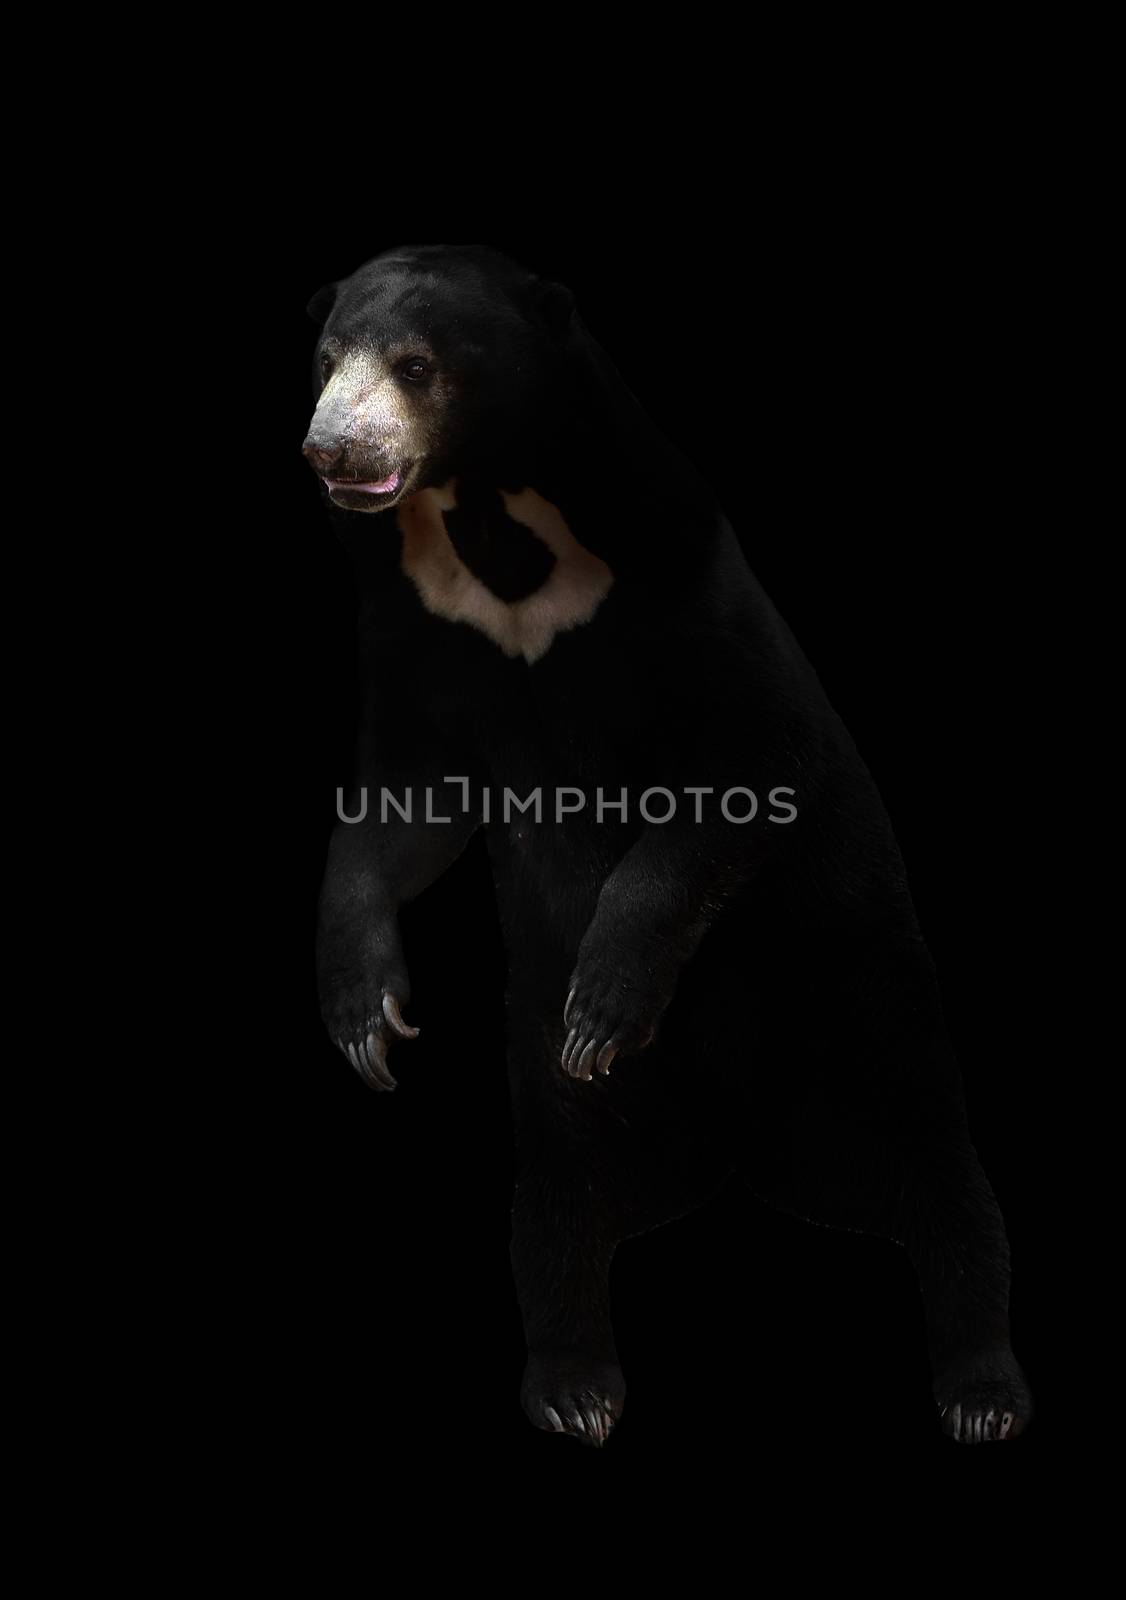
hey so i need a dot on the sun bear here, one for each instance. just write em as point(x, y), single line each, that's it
point(714, 962)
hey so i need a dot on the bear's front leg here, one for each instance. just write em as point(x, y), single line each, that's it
point(375, 866)
point(652, 913)
point(620, 987)
point(363, 984)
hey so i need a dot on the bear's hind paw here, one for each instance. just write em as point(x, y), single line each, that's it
point(987, 1400)
point(560, 1398)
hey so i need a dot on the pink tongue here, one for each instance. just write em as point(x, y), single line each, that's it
point(366, 488)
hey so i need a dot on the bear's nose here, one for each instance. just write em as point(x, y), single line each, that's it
point(321, 457)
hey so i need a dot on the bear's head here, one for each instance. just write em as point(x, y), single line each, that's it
point(430, 360)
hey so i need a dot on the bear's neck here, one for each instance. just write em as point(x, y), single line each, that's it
point(487, 530)
point(623, 489)
point(624, 492)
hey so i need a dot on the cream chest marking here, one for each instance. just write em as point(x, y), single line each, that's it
point(568, 597)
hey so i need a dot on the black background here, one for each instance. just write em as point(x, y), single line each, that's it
point(858, 382)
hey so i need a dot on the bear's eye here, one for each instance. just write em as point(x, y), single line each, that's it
point(326, 367)
point(414, 369)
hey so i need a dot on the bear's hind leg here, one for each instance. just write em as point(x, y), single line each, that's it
point(918, 1181)
point(875, 1137)
point(949, 1220)
point(561, 1252)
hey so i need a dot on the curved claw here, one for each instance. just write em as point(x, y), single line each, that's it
point(368, 1063)
point(567, 1008)
point(585, 1061)
point(573, 1055)
point(395, 1017)
point(569, 1044)
point(606, 1055)
point(599, 1421)
point(376, 1050)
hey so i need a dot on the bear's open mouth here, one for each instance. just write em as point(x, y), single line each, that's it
point(356, 496)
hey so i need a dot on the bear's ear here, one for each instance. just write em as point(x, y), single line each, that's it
point(555, 304)
point(322, 303)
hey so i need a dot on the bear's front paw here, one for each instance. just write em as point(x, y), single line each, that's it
point(610, 1011)
point(362, 1018)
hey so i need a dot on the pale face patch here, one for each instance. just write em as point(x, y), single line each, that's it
point(360, 404)
point(569, 596)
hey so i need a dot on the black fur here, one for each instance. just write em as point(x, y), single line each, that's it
point(512, 562)
point(773, 1001)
